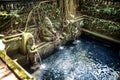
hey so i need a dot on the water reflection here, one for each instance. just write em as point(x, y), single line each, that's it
point(87, 60)
point(61, 47)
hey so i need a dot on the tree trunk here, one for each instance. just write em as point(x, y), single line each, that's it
point(70, 9)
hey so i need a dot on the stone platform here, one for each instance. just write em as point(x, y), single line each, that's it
point(6, 73)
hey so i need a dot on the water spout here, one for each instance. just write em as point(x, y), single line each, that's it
point(76, 42)
point(42, 66)
point(39, 57)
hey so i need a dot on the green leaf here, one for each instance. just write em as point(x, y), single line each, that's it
point(82, 23)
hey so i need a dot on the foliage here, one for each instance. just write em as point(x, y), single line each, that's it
point(96, 22)
point(110, 10)
point(3, 14)
point(82, 23)
point(57, 11)
point(96, 9)
point(102, 26)
point(45, 6)
point(12, 13)
point(113, 28)
point(6, 18)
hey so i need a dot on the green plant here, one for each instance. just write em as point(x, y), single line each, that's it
point(82, 23)
point(14, 13)
point(110, 10)
point(113, 28)
point(3, 14)
point(94, 21)
point(45, 7)
point(57, 11)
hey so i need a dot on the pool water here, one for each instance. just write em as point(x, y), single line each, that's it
point(87, 60)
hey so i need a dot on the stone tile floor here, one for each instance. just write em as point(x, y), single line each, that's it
point(6, 73)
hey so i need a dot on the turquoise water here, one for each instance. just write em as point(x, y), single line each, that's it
point(87, 60)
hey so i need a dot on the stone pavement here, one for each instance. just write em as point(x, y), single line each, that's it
point(6, 73)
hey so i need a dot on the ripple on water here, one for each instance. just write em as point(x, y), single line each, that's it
point(85, 61)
